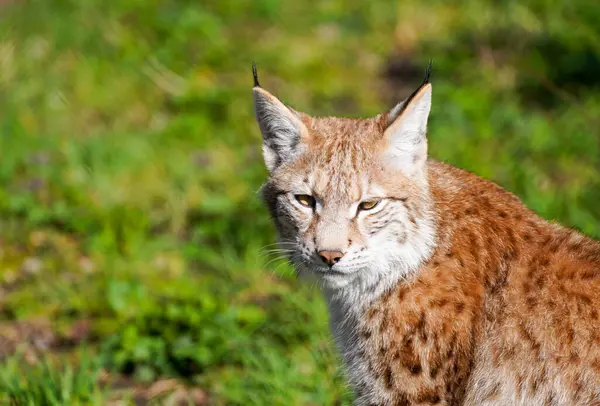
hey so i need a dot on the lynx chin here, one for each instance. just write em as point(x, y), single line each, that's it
point(443, 288)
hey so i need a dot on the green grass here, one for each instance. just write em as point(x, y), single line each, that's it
point(46, 384)
point(130, 162)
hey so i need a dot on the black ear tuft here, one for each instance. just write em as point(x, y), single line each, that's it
point(400, 107)
point(255, 74)
point(427, 73)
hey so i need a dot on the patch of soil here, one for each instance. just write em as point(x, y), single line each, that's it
point(33, 337)
point(162, 391)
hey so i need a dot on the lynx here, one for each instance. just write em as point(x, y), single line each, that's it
point(443, 288)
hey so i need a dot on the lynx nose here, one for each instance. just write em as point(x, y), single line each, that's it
point(331, 257)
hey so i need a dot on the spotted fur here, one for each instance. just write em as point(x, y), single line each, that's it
point(450, 291)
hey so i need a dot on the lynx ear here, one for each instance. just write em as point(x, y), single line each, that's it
point(281, 127)
point(406, 130)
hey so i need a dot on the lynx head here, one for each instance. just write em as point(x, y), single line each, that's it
point(349, 197)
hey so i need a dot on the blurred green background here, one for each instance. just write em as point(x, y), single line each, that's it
point(130, 162)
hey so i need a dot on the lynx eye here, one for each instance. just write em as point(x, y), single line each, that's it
point(305, 200)
point(368, 205)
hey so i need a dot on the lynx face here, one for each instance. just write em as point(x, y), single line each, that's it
point(349, 197)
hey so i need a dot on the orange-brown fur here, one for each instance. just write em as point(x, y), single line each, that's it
point(503, 309)
point(506, 295)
